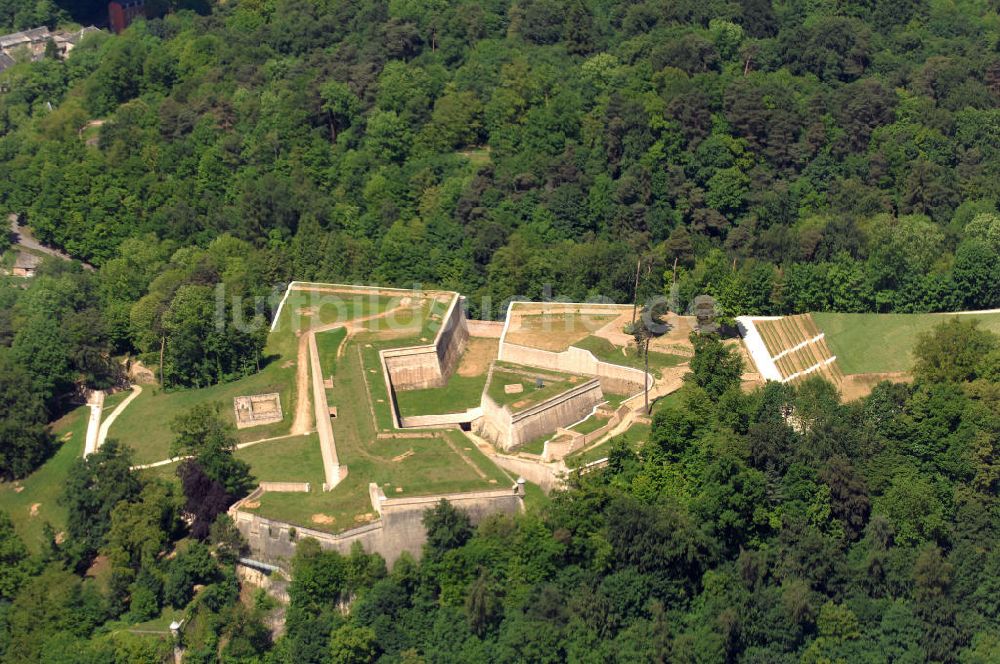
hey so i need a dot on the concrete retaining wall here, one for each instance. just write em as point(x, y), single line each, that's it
point(570, 441)
point(546, 475)
point(413, 368)
point(399, 529)
point(562, 409)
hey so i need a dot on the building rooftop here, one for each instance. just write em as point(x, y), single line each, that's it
point(24, 37)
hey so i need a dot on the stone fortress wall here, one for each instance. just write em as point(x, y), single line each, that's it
point(614, 378)
point(399, 527)
point(421, 367)
point(509, 430)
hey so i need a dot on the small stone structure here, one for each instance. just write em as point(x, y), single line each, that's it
point(25, 265)
point(258, 409)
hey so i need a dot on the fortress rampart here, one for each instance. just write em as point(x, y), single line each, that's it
point(398, 529)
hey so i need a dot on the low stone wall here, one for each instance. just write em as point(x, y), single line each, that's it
point(285, 487)
point(571, 441)
point(405, 435)
point(400, 528)
point(332, 470)
point(508, 430)
point(486, 329)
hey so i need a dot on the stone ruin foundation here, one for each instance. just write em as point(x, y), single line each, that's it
point(258, 409)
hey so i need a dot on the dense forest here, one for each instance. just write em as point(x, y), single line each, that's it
point(789, 157)
point(780, 156)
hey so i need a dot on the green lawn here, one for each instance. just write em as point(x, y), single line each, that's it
point(145, 424)
point(606, 351)
point(536, 446)
point(461, 393)
point(403, 467)
point(44, 486)
point(327, 344)
point(553, 383)
point(306, 308)
point(590, 424)
point(878, 343)
point(296, 459)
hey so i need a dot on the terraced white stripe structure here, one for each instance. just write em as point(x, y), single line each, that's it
point(798, 346)
point(809, 370)
point(766, 367)
point(788, 348)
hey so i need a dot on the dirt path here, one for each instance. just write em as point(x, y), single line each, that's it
point(612, 331)
point(302, 424)
point(96, 403)
point(106, 424)
point(241, 446)
point(22, 236)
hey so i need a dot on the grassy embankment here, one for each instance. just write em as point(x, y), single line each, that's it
point(882, 343)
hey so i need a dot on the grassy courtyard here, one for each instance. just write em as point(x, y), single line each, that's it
point(635, 436)
point(464, 388)
point(294, 459)
point(881, 343)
